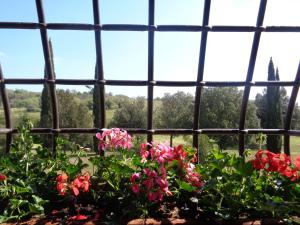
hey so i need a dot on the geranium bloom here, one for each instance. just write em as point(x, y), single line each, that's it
point(144, 153)
point(152, 183)
point(135, 188)
point(290, 173)
point(114, 138)
point(61, 188)
point(82, 182)
point(134, 176)
point(161, 153)
point(62, 178)
point(2, 177)
point(272, 162)
point(191, 176)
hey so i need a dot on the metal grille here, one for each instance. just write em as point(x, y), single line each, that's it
point(151, 29)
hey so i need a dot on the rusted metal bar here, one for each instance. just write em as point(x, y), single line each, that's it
point(290, 110)
point(181, 28)
point(140, 27)
point(151, 10)
point(251, 65)
point(7, 111)
point(50, 72)
point(164, 83)
point(125, 27)
point(19, 25)
point(22, 81)
point(201, 63)
point(99, 64)
point(273, 83)
point(208, 131)
point(126, 82)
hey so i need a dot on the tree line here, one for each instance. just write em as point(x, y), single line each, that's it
point(219, 108)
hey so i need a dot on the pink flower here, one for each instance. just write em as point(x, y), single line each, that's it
point(114, 138)
point(135, 188)
point(144, 153)
point(149, 183)
point(152, 196)
point(134, 176)
point(161, 153)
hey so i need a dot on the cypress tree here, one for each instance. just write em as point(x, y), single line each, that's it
point(46, 112)
point(273, 110)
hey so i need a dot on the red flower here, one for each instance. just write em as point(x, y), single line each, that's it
point(2, 177)
point(81, 182)
point(62, 178)
point(61, 188)
point(75, 190)
point(78, 217)
point(290, 173)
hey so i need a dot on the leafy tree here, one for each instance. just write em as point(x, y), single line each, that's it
point(73, 114)
point(220, 108)
point(174, 111)
point(130, 114)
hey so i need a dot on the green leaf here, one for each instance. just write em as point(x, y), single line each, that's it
point(186, 186)
point(39, 200)
point(35, 208)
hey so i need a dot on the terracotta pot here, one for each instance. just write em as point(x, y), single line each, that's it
point(170, 221)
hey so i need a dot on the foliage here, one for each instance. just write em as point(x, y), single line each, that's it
point(175, 111)
point(30, 170)
point(152, 179)
point(73, 114)
point(220, 108)
point(130, 114)
point(234, 188)
point(274, 110)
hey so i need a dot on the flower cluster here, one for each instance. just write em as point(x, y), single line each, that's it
point(81, 182)
point(155, 183)
point(281, 163)
point(114, 138)
point(2, 177)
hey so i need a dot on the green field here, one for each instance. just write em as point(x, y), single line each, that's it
point(295, 148)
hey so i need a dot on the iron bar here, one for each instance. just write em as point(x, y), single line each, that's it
point(290, 110)
point(151, 11)
point(152, 27)
point(99, 64)
point(209, 131)
point(7, 111)
point(201, 62)
point(164, 83)
point(251, 65)
point(49, 69)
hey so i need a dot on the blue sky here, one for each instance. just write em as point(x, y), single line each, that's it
point(125, 53)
